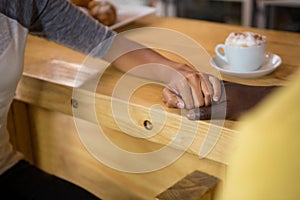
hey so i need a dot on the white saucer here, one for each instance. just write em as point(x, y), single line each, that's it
point(272, 61)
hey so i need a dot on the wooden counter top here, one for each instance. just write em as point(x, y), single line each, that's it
point(207, 34)
point(50, 71)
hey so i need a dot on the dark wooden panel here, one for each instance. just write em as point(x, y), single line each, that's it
point(195, 186)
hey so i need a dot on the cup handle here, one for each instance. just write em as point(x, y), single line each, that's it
point(219, 54)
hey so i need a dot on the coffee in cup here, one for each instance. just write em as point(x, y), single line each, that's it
point(243, 51)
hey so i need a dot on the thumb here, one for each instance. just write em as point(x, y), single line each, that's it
point(216, 111)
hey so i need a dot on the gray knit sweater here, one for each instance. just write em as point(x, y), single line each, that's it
point(56, 20)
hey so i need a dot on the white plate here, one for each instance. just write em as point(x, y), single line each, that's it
point(127, 14)
point(130, 13)
point(272, 61)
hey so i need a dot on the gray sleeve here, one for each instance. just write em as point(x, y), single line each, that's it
point(61, 22)
point(64, 23)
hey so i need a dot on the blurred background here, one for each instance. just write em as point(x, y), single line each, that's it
point(270, 14)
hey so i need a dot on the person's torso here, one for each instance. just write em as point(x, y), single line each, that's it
point(12, 45)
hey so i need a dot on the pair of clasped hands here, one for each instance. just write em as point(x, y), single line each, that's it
point(207, 97)
point(203, 95)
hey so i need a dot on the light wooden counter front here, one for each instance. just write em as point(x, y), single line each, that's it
point(44, 98)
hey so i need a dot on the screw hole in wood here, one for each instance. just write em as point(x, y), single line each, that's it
point(148, 125)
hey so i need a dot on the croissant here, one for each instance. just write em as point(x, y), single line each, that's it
point(81, 3)
point(104, 11)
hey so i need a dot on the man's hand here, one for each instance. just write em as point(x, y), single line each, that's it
point(235, 101)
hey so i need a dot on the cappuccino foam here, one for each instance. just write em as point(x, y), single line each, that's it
point(245, 39)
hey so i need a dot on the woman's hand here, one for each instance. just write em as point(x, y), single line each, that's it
point(191, 89)
point(187, 87)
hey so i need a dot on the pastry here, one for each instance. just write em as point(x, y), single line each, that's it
point(81, 3)
point(104, 11)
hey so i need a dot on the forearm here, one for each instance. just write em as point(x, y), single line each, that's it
point(129, 56)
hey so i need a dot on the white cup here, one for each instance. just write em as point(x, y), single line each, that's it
point(242, 59)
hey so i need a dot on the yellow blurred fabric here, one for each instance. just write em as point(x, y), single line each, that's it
point(266, 164)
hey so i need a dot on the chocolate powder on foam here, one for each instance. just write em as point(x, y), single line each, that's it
point(240, 38)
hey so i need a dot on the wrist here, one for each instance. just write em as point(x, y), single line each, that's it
point(180, 70)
